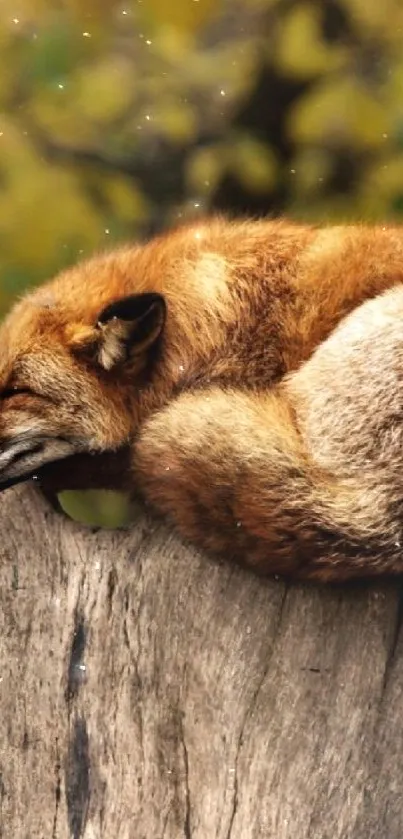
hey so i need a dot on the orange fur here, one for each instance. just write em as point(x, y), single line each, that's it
point(243, 377)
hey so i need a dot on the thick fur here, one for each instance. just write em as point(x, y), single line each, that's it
point(253, 394)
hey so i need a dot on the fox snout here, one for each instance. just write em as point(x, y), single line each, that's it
point(23, 455)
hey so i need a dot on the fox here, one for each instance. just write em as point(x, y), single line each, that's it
point(243, 378)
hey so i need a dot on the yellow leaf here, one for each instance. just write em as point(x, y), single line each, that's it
point(337, 111)
point(309, 169)
point(128, 203)
point(383, 183)
point(254, 164)
point(176, 120)
point(31, 239)
point(301, 50)
point(183, 14)
point(205, 167)
point(98, 508)
point(380, 18)
point(104, 91)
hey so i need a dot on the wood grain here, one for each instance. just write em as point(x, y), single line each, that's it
point(149, 693)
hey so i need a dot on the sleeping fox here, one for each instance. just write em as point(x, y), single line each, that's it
point(244, 378)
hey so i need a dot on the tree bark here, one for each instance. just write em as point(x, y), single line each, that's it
point(147, 692)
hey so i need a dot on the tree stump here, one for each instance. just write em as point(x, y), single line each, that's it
point(147, 692)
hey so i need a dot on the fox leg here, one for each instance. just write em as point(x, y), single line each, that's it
point(228, 468)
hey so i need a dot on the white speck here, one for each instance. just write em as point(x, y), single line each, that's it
point(181, 368)
point(57, 601)
point(248, 630)
point(60, 86)
point(239, 524)
point(148, 117)
point(1, 133)
point(148, 42)
point(107, 230)
point(34, 477)
point(97, 565)
point(16, 20)
point(167, 468)
point(232, 771)
point(82, 667)
point(86, 34)
point(197, 203)
point(222, 93)
point(397, 543)
point(383, 228)
point(292, 171)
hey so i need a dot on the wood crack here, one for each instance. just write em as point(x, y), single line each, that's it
point(391, 655)
point(57, 790)
point(186, 825)
point(249, 714)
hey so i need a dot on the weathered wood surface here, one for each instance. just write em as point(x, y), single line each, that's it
point(148, 693)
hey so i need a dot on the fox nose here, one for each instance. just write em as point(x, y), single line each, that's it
point(13, 452)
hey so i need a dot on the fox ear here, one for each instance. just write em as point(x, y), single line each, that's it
point(129, 327)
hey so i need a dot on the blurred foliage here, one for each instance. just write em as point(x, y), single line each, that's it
point(117, 118)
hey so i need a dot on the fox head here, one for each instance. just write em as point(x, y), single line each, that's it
point(85, 357)
point(66, 352)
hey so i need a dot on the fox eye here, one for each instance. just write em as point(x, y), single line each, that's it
point(9, 392)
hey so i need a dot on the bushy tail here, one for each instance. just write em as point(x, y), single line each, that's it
point(231, 471)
